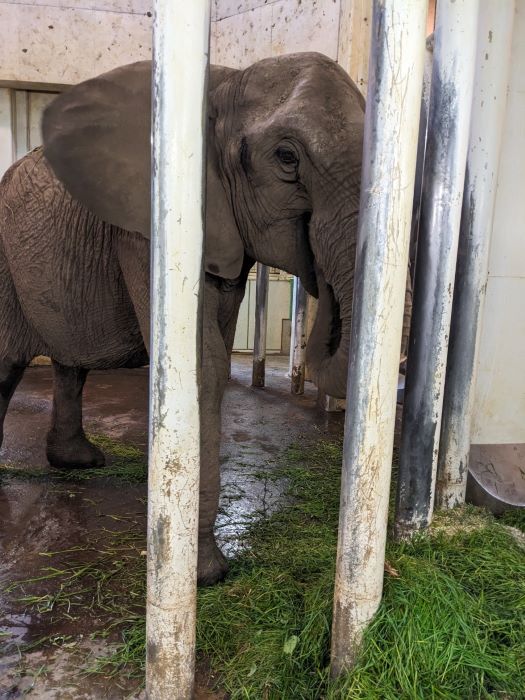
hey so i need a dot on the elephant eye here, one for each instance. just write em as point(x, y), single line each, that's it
point(286, 156)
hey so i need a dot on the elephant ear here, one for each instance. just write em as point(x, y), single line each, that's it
point(97, 140)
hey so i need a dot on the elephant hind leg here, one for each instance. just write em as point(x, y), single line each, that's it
point(10, 375)
point(67, 444)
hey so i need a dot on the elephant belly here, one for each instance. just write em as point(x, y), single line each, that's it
point(66, 273)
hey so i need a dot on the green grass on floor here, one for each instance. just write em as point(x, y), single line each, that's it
point(451, 624)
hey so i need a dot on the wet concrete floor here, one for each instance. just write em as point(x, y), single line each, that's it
point(39, 515)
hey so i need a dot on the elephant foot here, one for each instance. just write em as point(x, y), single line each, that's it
point(74, 453)
point(212, 565)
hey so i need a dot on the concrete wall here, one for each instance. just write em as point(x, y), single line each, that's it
point(499, 413)
point(61, 42)
point(44, 42)
point(246, 31)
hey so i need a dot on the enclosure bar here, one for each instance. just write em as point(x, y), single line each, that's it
point(298, 340)
point(180, 67)
point(261, 324)
point(444, 173)
point(421, 149)
point(488, 114)
point(387, 190)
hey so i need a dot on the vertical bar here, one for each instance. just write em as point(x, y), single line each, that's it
point(7, 130)
point(449, 118)
point(181, 46)
point(421, 148)
point(488, 113)
point(298, 343)
point(311, 313)
point(21, 123)
point(387, 190)
point(261, 323)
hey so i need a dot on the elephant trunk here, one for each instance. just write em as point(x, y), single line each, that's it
point(329, 343)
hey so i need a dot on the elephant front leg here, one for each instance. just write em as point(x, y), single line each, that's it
point(212, 565)
point(67, 445)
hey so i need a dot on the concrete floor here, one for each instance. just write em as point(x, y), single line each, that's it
point(39, 516)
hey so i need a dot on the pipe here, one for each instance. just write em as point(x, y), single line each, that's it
point(447, 140)
point(421, 148)
point(298, 340)
point(261, 323)
point(387, 189)
point(488, 113)
point(311, 313)
point(180, 68)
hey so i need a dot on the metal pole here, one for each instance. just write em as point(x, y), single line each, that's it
point(421, 148)
point(488, 113)
point(181, 46)
point(387, 189)
point(311, 313)
point(446, 152)
point(261, 322)
point(298, 344)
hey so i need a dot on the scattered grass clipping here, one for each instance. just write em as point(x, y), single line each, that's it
point(451, 624)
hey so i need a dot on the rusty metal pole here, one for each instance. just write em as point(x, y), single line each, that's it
point(180, 68)
point(387, 190)
point(261, 323)
point(488, 114)
point(450, 106)
point(298, 341)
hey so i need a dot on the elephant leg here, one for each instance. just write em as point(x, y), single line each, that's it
point(221, 309)
point(67, 445)
point(212, 565)
point(10, 376)
point(134, 258)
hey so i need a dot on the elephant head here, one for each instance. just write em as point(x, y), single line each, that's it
point(284, 160)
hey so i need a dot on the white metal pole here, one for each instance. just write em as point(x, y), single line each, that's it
point(261, 323)
point(488, 113)
point(387, 190)
point(180, 67)
point(311, 313)
point(298, 341)
point(450, 106)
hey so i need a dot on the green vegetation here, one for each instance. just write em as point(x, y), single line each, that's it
point(451, 624)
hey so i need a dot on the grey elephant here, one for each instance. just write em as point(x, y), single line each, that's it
point(284, 160)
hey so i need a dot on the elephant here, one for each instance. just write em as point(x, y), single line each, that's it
point(284, 151)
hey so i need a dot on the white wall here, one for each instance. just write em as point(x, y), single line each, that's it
point(59, 42)
point(499, 412)
point(65, 41)
point(260, 29)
